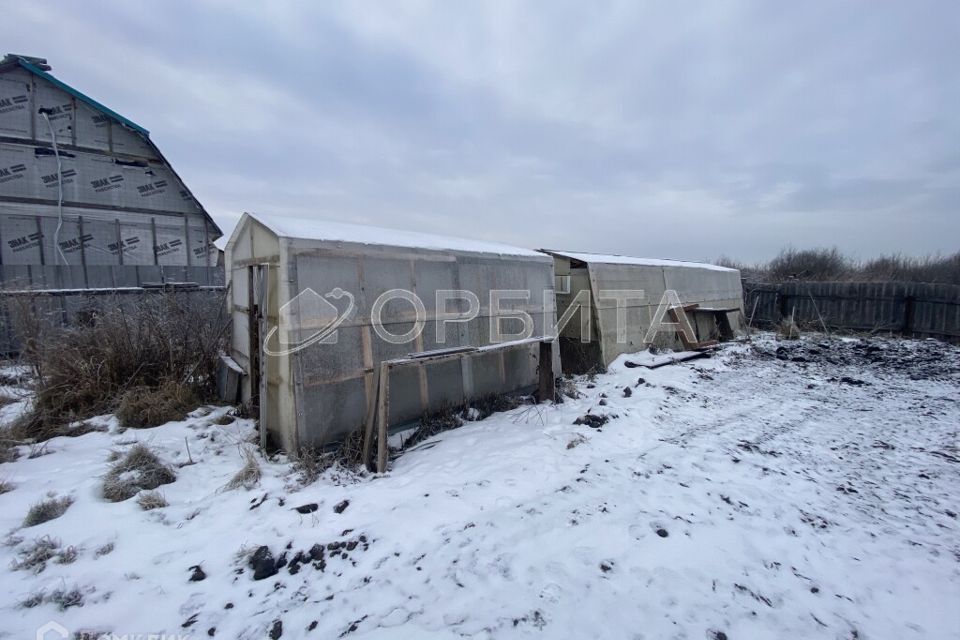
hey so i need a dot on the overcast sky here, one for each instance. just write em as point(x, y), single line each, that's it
point(665, 129)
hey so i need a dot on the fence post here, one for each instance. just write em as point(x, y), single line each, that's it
point(907, 328)
point(546, 390)
point(782, 303)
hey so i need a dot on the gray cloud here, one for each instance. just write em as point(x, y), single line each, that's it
point(680, 130)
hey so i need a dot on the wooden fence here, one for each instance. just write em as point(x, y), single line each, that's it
point(908, 308)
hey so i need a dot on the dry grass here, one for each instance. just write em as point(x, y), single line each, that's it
point(150, 500)
point(11, 379)
point(85, 370)
point(568, 388)
point(67, 556)
point(576, 441)
point(65, 598)
point(495, 403)
point(35, 556)
point(249, 475)
point(38, 449)
point(350, 451)
point(451, 418)
point(6, 486)
point(311, 463)
point(35, 599)
point(144, 407)
point(8, 449)
point(434, 423)
point(788, 329)
point(47, 510)
point(139, 470)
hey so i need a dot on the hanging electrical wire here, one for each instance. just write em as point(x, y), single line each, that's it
point(56, 152)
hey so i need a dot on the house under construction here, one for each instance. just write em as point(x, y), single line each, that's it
point(87, 200)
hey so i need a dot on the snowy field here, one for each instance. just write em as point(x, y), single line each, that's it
point(803, 489)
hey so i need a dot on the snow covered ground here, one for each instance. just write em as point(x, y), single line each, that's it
point(803, 489)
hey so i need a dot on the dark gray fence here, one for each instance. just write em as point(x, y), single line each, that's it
point(914, 309)
point(66, 307)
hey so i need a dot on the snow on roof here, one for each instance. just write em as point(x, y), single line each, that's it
point(306, 229)
point(642, 262)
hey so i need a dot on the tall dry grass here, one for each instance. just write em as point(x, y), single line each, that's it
point(164, 341)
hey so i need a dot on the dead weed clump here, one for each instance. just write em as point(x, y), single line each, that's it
point(310, 463)
point(494, 403)
point(451, 418)
point(46, 510)
point(145, 407)
point(8, 449)
point(150, 500)
point(788, 329)
point(65, 598)
point(434, 423)
point(35, 556)
point(35, 599)
point(139, 470)
point(568, 388)
point(249, 475)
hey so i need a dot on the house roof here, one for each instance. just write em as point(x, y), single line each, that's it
point(36, 67)
point(325, 230)
point(39, 67)
point(599, 258)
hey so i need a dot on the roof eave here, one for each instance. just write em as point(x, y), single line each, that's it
point(82, 97)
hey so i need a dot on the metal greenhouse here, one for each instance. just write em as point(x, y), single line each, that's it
point(325, 325)
point(711, 298)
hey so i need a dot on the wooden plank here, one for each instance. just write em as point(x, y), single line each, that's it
point(687, 344)
point(440, 352)
point(546, 390)
point(372, 403)
point(683, 358)
point(383, 401)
